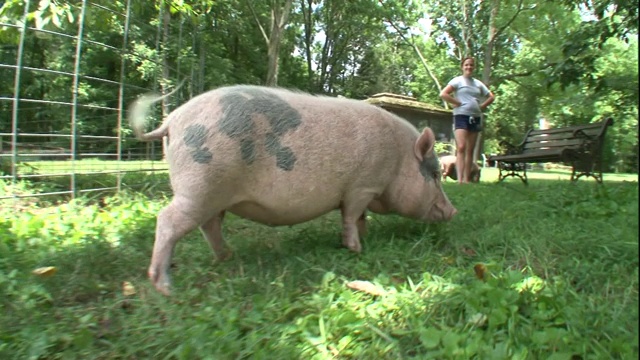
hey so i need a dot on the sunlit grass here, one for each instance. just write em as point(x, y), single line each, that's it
point(560, 281)
point(490, 174)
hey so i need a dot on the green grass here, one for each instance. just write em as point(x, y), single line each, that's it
point(490, 174)
point(561, 282)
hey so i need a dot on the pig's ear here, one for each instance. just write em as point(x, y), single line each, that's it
point(424, 144)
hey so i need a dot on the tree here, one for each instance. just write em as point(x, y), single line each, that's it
point(280, 11)
point(604, 19)
point(401, 16)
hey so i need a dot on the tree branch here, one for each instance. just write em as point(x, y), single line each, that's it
point(285, 13)
point(512, 76)
point(513, 18)
point(416, 50)
point(255, 16)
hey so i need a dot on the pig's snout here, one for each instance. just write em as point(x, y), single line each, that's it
point(442, 211)
point(452, 213)
point(448, 211)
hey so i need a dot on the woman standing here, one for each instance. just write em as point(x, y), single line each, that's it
point(467, 114)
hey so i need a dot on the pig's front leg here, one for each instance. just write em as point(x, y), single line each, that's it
point(212, 231)
point(174, 221)
point(353, 219)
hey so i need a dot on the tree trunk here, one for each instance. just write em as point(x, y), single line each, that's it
point(467, 29)
point(307, 13)
point(273, 54)
point(486, 70)
point(279, 18)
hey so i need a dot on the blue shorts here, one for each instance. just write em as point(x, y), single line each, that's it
point(466, 122)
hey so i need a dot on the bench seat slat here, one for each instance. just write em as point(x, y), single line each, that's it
point(589, 128)
point(553, 144)
point(557, 136)
point(540, 155)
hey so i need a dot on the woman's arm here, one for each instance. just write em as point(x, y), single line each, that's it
point(489, 100)
point(445, 95)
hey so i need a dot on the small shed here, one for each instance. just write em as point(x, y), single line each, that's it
point(420, 114)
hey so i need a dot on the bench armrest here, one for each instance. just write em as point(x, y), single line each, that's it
point(581, 134)
point(605, 123)
point(509, 148)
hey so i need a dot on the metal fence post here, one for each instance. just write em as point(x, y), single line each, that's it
point(74, 106)
point(16, 97)
point(121, 94)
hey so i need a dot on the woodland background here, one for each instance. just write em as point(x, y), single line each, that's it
point(565, 61)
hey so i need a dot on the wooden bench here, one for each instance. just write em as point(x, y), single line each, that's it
point(579, 146)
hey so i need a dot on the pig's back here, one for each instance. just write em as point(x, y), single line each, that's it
point(281, 157)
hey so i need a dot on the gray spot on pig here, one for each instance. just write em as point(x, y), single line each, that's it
point(202, 156)
point(248, 150)
point(285, 158)
point(430, 168)
point(235, 122)
point(195, 137)
point(241, 104)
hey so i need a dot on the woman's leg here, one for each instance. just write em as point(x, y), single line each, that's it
point(471, 140)
point(461, 150)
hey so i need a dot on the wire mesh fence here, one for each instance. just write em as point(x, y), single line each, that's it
point(63, 104)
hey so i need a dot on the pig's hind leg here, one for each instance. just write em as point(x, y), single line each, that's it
point(212, 231)
point(175, 221)
point(361, 224)
point(353, 219)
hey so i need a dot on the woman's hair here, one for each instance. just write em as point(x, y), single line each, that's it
point(467, 58)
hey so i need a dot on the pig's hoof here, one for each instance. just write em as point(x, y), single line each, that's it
point(161, 283)
point(355, 247)
point(224, 256)
point(163, 289)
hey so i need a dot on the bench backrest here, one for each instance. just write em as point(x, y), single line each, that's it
point(571, 136)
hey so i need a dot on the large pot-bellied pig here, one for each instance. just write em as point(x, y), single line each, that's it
point(280, 157)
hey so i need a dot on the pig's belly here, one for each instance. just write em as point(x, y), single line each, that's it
point(283, 213)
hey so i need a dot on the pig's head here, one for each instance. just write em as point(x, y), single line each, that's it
point(417, 191)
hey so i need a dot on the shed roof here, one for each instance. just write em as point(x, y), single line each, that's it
point(389, 100)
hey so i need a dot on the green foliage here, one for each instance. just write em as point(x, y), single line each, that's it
point(551, 60)
point(559, 264)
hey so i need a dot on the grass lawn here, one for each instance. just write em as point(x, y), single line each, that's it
point(545, 271)
point(491, 174)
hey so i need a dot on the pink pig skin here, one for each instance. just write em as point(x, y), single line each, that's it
point(281, 157)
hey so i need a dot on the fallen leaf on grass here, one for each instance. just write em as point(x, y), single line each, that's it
point(365, 286)
point(480, 270)
point(128, 289)
point(468, 251)
point(45, 271)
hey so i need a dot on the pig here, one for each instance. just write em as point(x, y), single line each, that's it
point(282, 157)
point(448, 168)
